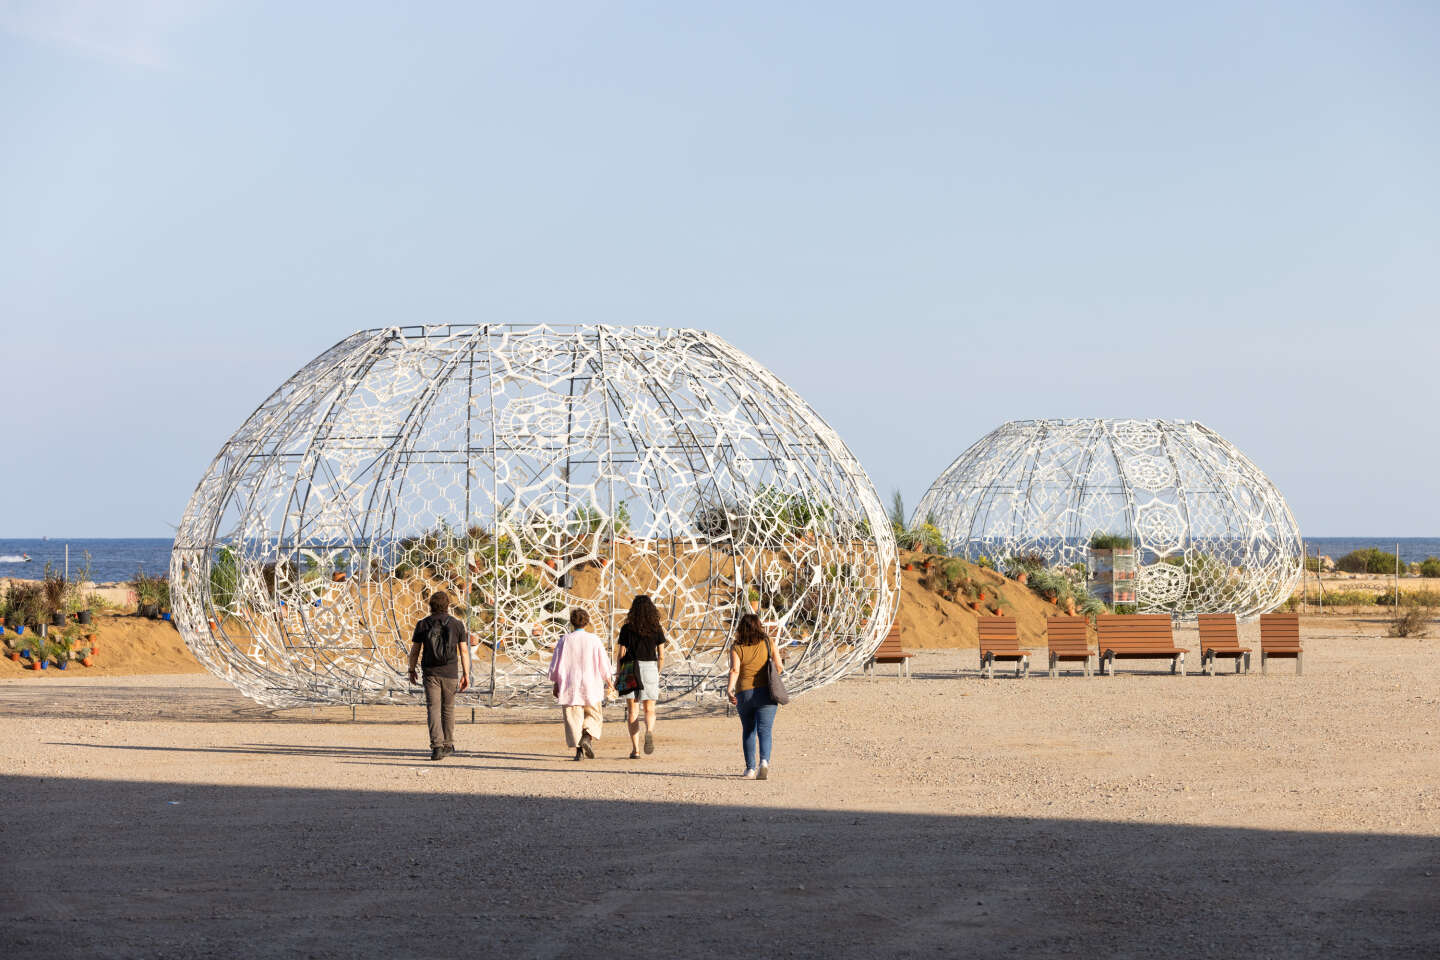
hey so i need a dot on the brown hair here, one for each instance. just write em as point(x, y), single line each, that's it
point(579, 618)
point(439, 602)
point(750, 631)
point(643, 618)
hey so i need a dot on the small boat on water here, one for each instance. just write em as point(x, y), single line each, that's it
point(22, 558)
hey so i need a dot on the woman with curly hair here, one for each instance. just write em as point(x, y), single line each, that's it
point(748, 688)
point(642, 640)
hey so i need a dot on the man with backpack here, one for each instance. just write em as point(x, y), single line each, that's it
point(441, 650)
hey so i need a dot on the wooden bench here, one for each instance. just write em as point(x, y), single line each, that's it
point(890, 651)
point(1138, 636)
point(1219, 637)
point(1280, 638)
point(999, 640)
point(1068, 639)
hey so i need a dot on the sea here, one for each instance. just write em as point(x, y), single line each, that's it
point(116, 559)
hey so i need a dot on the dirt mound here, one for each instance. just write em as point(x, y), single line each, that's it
point(124, 645)
point(928, 620)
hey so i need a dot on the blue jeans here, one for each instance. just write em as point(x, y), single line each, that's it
point(757, 717)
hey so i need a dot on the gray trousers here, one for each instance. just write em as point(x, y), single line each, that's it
point(440, 709)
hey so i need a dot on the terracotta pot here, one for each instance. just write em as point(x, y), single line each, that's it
point(338, 576)
point(35, 665)
point(88, 662)
point(1022, 577)
point(909, 566)
point(755, 606)
point(982, 596)
point(15, 655)
point(1070, 606)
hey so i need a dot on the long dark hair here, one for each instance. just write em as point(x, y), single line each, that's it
point(750, 631)
point(643, 618)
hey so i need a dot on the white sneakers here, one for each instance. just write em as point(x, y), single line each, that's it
point(764, 773)
point(750, 773)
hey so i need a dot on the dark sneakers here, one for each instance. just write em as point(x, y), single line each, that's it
point(579, 754)
point(448, 751)
point(649, 742)
point(437, 753)
point(587, 745)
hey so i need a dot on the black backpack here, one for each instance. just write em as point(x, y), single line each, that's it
point(438, 643)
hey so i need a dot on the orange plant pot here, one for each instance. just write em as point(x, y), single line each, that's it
point(15, 655)
point(338, 577)
point(88, 662)
point(35, 665)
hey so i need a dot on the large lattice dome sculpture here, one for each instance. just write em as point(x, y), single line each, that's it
point(1209, 532)
point(527, 470)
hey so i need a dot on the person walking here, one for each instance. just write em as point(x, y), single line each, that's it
point(440, 649)
point(748, 687)
point(580, 674)
point(642, 640)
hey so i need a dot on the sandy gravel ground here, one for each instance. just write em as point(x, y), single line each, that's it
point(1140, 816)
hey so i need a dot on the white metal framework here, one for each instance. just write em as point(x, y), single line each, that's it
point(525, 470)
point(1211, 532)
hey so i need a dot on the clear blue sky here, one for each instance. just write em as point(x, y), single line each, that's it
point(928, 218)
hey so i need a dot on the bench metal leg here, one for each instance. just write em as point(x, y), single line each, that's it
point(1264, 663)
point(1180, 662)
point(1054, 670)
point(1088, 671)
point(987, 665)
point(1299, 664)
point(1022, 669)
point(1207, 663)
point(1246, 658)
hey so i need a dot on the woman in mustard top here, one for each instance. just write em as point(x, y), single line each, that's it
point(749, 689)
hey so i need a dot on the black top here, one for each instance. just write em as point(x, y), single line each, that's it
point(447, 668)
point(638, 647)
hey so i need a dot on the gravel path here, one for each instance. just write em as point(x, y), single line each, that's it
point(1138, 816)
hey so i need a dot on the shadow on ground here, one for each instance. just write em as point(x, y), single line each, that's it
point(122, 869)
point(214, 704)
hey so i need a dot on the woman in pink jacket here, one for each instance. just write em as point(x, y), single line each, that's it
point(580, 674)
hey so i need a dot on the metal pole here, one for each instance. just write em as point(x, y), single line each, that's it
point(1397, 579)
point(67, 562)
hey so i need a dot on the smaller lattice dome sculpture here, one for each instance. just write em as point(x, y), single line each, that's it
point(526, 470)
point(1210, 532)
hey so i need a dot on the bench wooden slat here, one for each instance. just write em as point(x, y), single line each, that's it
point(1220, 637)
point(1000, 640)
point(1068, 639)
point(890, 651)
point(1280, 638)
point(1139, 636)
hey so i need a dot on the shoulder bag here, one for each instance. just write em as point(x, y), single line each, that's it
point(778, 692)
point(627, 677)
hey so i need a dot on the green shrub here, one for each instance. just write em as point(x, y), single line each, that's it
point(1410, 598)
point(1368, 560)
point(1430, 567)
point(1110, 541)
point(224, 579)
point(1350, 598)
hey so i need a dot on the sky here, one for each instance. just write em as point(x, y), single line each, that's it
point(928, 218)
